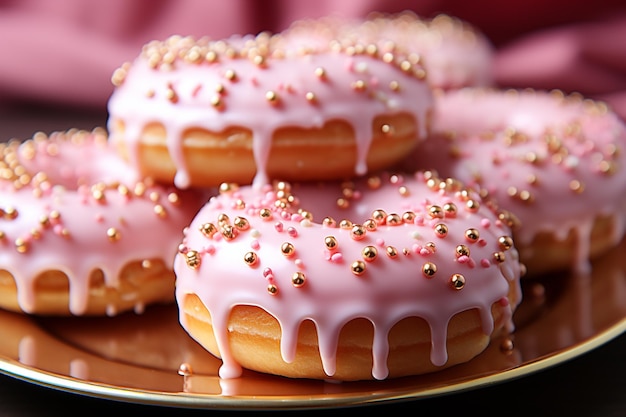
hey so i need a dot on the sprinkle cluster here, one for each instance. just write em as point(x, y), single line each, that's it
point(14, 176)
point(282, 206)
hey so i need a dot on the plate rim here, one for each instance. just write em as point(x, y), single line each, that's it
point(65, 383)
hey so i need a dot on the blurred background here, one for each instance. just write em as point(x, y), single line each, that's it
point(57, 57)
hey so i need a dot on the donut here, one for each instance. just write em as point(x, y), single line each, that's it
point(399, 275)
point(80, 232)
point(454, 52)
point(199, 112)
point(556, 161)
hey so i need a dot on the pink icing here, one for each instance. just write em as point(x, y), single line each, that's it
point(391, 288)
point(185, 83)
point(98, 214)
point(556, 162)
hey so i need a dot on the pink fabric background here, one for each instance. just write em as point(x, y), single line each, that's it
point(64, 51)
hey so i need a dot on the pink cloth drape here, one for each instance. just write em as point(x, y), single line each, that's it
point(64, 51)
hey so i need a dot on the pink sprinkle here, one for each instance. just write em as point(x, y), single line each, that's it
point(99, 217)
point(196, 90)
point(485, 263)
point(482, 242)
point(278, 226)
point(255, 244)
point(299, 263)
point(292, 232)
point(463, 259)
point(416, 248)
point(285, 215)
point(380, 242)
point(425, 251)
point(296, 217)
point(419, 220)
point(374, 81)
point(58, 229)
point(209, 249)
point(336, 257)
point(503, 301)
point(327, 255)
point(486, 223)
point(183, 248)
point(267, 272)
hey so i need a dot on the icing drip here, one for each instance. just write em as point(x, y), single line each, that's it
point(412, 246)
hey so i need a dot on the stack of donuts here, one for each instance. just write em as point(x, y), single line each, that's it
point(347, 200)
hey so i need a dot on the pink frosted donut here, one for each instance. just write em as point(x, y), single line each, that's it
point(80, 233)
point(245, 109)
point(557, 162)
point(455, 53)
point(404, 275)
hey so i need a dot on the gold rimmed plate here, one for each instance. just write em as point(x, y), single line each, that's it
point(136, 358)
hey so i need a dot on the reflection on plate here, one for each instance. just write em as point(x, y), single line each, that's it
point(136, 358)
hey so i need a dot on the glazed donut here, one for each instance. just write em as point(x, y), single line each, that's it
point(455, 53)
point(405, 275)
point(245, 109)
point(556, 161)
point(80, 233)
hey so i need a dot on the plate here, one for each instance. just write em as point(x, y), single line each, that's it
point(137, 358)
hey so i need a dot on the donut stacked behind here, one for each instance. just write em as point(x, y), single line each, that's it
point(557, 162)
point(381, 277)
point(201, 112)
point(454, 53)
point(80, 233)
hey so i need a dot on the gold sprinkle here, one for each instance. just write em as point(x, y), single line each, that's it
point(576, 186)
point(449, 210)
point(394, 86)
point(505, 242)
point(331, 242)
point(472, 205)
point(266, 214)
point(329, 222)
point(193, 259)
point(160, 211)
point(227, 187)
point(272, 97)
point(230, 75)
point(462, 250)
point(359, 85)
point(345, 224)
point(358, 232)
point(429, 269)
point(320, 73)
point(369, 253)
point(208, 229)
point(288, 249)
point(229, 232)
point(358, 267)
point(216, 101)
point(379, 216)
point(146, 264)
point(408, 217)
point(241, 223)
point(10, 213)
point(223, 219)
point(272, 289)
point(457, 281)
point(298, 279)
point(435, 212)
point(499, 257)
point(472, 235)
point(441, 230)
point(391, 252)
point(404, 191)
point(21, 245)
point(343, 203)
point(251, 258)
point(310, 97)
point(393, 219)
point(113, 234)
point(370, 225)
point(386, 129)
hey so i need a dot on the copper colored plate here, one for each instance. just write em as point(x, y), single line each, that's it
point(136, 358)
